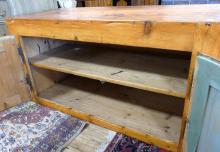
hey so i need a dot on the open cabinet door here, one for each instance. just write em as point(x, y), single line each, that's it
point(13, 86)
point(203, 128)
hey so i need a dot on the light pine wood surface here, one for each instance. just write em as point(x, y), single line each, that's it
point(168, 27)
point(91, 139)
point(120, 105)
point(160, 73)
point(168, 13)
point(13, 86)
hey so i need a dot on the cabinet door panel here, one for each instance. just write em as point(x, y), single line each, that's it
point(210, 136)
point(203, 129)
point(13, 86)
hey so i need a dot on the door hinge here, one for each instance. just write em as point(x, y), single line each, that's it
point(28, 81)
point(20, 53)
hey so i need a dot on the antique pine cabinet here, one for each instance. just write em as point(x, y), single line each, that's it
point(127, 69)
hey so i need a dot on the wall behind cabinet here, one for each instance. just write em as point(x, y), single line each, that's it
point(4, 12)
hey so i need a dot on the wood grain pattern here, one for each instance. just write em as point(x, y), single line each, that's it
point(46, 78)
point(167, 27)
point(35, 46)
point(199, 40)
point(171, 146)
point(169, 13)
point(211, 45)
point(157, 73)
point(13, 87)
point(119, 105)
point(27, 68)
point(206, 42)
point(143, 34)
point(90, 140)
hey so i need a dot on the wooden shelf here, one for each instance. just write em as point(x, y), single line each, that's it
point(147, 113)
point(141, 70)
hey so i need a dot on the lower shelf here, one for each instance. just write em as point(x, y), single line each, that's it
point(144, 112)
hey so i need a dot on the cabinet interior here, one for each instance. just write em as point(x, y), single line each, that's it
point(138, 88)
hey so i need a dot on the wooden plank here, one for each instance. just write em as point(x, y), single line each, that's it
point(194, 14)
point(168, 27)
point(13, 86)
point(27, 68)
point(143, 112)
point(90, 140)
point(210, 133)
point(46, 78)
point(199, 40)
point(152, 72)
point(211, 46)
point(171, 146)
point(143, 34)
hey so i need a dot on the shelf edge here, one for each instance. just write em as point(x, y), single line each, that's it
point(109, 80)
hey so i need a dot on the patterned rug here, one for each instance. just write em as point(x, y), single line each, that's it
point(31, 127)
point(122, 143)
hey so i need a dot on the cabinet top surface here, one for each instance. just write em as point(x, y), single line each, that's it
point(168, 13)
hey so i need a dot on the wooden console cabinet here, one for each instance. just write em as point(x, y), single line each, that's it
point(128, 69)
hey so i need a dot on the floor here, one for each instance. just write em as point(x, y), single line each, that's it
point(90, 140)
